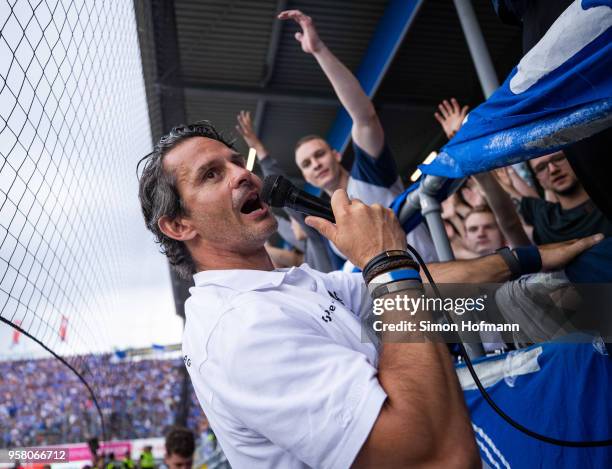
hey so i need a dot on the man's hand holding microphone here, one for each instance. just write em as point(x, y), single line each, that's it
point(361, 231)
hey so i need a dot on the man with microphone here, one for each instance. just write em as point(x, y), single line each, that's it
point(276, 356)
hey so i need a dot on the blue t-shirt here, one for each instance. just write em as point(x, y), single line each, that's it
point(374, 180)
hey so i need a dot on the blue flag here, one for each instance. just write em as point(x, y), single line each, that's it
point(560, 93)
point(557, 389)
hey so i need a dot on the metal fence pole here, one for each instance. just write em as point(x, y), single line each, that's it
point(478, 48)
point(432, 211)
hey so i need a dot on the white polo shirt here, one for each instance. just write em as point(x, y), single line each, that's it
point(279, 367)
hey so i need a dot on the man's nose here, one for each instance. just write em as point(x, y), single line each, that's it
point(240, 176)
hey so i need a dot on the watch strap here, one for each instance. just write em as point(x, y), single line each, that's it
point(511, 261)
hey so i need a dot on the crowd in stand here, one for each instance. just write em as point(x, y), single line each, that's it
point(539, 202)
point(44, 403)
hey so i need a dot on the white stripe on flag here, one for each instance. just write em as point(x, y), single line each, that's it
point(482, 434)
point(568, 35)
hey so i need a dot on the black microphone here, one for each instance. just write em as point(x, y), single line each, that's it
point(280, 192)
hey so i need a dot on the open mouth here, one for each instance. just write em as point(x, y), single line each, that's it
point(252, 203)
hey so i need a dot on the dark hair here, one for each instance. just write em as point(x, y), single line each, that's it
point(180, 440)
point(159, 195)
point(307, 138)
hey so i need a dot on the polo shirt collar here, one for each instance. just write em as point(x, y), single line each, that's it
point(241, 279)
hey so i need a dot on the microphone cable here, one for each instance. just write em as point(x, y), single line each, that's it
point(485, 394)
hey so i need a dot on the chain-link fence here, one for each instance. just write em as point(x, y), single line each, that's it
point(73, 123)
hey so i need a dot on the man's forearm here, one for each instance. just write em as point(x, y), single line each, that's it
point(491, 269)
point(422, 390)
point(261, 151)
point(504, 210)
point(347, 88)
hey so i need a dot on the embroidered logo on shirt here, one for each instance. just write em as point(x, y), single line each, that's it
point(335, 296)
point(327, 317)
point(187, 360)
point(329, 311)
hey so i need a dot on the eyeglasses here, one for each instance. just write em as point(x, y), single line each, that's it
point(557, 160)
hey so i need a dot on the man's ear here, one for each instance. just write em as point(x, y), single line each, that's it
point(337, 155)
point(176, 228)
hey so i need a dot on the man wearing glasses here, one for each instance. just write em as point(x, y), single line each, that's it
point(573, 216)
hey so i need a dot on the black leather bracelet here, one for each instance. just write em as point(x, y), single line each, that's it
point(387, 260)
point(387, 265)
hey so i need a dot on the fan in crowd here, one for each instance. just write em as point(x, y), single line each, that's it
point(499, 208)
